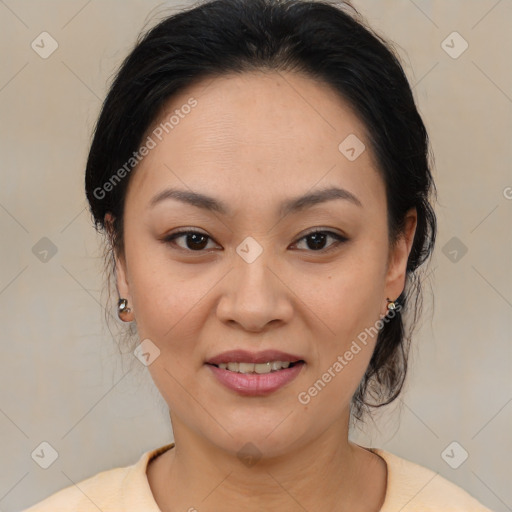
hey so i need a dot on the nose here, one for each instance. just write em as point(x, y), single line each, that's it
point(255, 296)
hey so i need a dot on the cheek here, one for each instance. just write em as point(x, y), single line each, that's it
point(167, 301)
point(346, 311)
point(347, 297)
point(167, 311)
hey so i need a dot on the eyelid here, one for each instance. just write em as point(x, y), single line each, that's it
point(170, 237)
point(339, 238)
point(326, 230)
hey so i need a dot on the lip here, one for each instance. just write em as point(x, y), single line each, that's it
point(243, 356)
point(254, 384)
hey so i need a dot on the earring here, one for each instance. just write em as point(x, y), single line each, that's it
point(123, 311)
point(392, 304)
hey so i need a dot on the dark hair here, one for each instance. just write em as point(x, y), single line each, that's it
point(321, 40)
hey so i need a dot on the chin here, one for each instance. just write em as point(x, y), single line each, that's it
point(256, 441)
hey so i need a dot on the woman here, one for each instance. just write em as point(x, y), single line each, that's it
point(262, 174)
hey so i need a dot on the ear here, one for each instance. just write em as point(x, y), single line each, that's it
point(120, 264)
point(398, 256)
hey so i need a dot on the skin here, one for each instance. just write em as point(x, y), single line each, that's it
point(253, 141)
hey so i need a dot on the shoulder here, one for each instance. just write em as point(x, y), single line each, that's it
point(92, 494)
point(122, 488)
point(415, 488)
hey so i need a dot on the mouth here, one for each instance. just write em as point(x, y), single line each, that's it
point(255, 373)
point(257, 368)
point(256, 379)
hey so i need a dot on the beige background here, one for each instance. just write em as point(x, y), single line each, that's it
point(62, 377)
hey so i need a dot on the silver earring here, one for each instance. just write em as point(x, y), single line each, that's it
point(392, 304)
point(123, 311)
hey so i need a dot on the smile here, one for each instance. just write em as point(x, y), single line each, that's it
point(259, 368)
point(256, 379)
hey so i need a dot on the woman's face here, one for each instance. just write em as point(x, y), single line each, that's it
point(253, 278)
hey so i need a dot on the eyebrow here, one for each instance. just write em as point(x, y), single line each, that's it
point(288, 206)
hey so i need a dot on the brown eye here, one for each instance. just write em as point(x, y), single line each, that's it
point(193, 240)
point(316, 240)
point(196, 241)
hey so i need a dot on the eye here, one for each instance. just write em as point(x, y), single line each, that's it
point(196, 241)
point(193, 240)
point(318, 238)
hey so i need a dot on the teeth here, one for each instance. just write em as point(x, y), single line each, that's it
point(246, 367)
point(268, 367)
point(263, 367)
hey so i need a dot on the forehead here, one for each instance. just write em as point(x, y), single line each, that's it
point(276, 131)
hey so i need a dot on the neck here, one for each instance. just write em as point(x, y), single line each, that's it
point(327, 473)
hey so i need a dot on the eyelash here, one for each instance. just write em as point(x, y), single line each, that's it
point(170, 239)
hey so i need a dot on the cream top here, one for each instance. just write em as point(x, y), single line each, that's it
point(410, 488)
